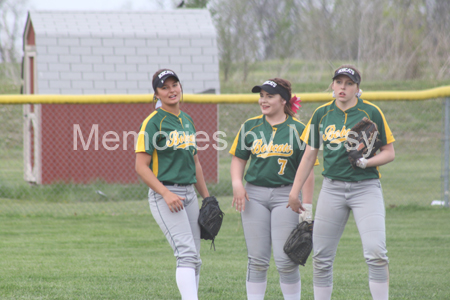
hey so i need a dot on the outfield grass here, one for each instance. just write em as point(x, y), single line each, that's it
point(312, 76)
point(102, 255)
point(410, 179)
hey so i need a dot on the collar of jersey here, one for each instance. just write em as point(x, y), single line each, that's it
point(168, 112)
point(276, 125)
point(350, 108)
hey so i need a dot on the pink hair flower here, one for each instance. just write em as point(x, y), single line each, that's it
point(295, 103)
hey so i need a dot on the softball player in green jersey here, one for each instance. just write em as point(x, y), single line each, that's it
point(167, 161)
point(345, 188)
point(272, 143)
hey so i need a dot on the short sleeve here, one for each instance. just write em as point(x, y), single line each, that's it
point(239, 148)
point(386, 135)
point(311, 134)
point(148, 135)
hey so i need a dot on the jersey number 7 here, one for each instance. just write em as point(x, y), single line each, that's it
point(282, 163)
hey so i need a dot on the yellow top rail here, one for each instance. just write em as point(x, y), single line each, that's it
point(439, 92)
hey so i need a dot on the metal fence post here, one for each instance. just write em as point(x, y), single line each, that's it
point(446, 150)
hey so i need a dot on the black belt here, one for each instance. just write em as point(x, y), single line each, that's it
point(176, 184)
point(272, 187)
point(283, 185)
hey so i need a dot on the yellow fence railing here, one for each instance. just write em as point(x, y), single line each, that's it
point(439, 92)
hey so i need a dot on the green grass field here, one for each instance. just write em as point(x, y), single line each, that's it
point(410, 179)
point(123, 255)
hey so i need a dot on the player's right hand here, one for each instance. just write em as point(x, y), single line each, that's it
point(295, 204)
point(174, 201)
point(239, 197)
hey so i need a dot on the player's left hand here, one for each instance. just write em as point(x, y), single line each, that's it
point(295, 204)
point(362, 163)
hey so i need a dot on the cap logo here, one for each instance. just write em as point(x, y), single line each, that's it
point(164, 73)
point(346, 70)
point(271, 83)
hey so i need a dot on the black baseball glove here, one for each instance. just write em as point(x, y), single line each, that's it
point(299, 244)
point(362, 141)
point(210, 219)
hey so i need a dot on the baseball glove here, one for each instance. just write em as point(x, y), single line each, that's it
point(299, 244)
point(362, 141)
point(210, 219)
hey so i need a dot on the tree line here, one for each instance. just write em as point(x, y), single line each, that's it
point(388, 39)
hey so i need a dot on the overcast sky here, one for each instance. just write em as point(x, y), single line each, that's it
point(99, 4)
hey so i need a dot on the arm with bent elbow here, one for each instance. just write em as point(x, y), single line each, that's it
point(386, 155)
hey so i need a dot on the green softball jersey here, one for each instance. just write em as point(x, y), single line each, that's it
point(329, 127)
point(274, 151)
point(170, 140)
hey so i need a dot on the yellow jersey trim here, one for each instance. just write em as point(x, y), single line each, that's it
point(140, 145)
point(236, 139)
point(305, 135)
point(234, 145)
point(389, 136)
point(155, 162)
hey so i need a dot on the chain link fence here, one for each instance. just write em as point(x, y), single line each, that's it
point(84, 162)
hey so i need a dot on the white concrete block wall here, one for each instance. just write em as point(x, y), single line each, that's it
point(91, 42)
point(192, 68)
point(157, 42)
point(147, 50)
point(158, 59)
point(82, 67)
point(112, 42)
point(185, 76)
point(135, 59)
point(93, 53)
point(82, 84)
point(180, 59)
point(193, 86)
point(126, 68)
point(70, 75)
point(45, 58)
point(93, 76)
point(135, 76)
point(149, 69)
point(80, 50)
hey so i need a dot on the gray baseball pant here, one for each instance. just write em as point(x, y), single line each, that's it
point(180, 228)
point(336, 199)
point(267, 223)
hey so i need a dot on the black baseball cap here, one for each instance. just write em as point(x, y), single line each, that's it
point(349, 72)
point(272, 88)
point(161, 78)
